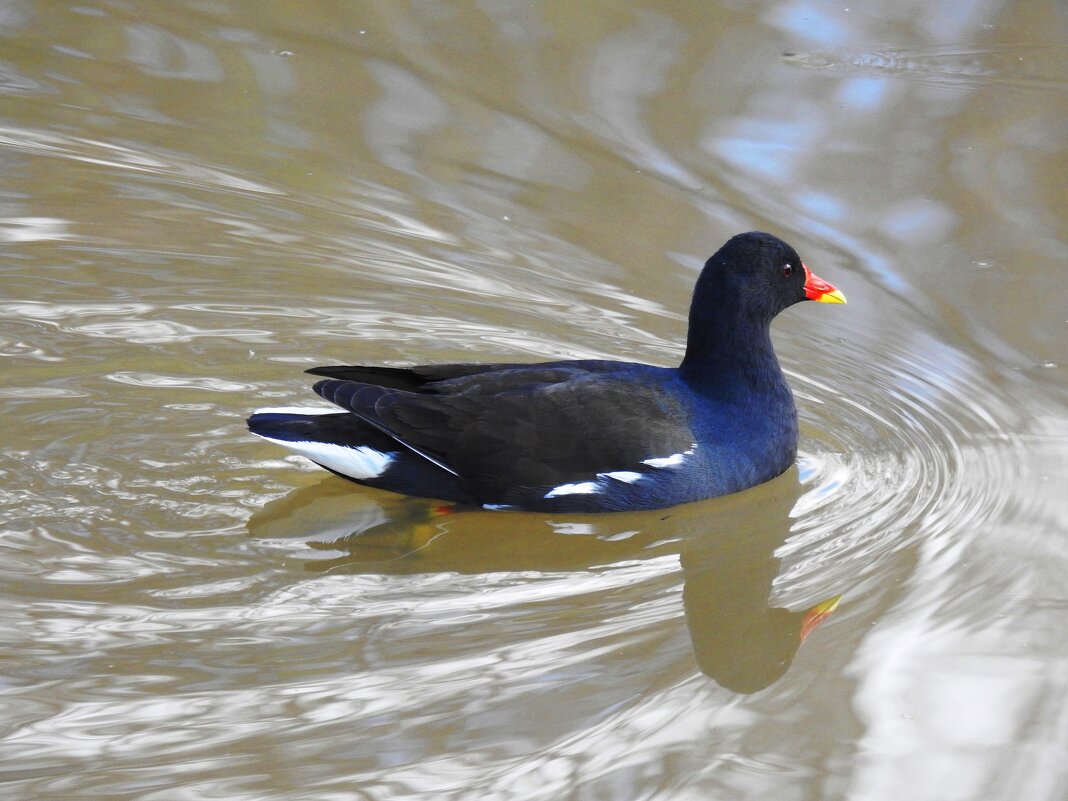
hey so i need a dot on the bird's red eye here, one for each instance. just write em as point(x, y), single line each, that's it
point(787, 270)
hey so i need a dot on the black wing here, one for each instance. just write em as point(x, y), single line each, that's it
point(534, 426)
point(426, 378)
point(409, 379)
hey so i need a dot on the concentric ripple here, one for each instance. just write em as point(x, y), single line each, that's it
point(915, 442)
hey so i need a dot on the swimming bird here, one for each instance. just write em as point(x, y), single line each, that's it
point(580, 435)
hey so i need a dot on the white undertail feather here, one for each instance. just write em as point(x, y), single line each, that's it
point(315, 410)
point(299, 410)
point(360, 462)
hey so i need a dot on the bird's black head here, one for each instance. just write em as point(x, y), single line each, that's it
point(758, 275)
point(747, 282)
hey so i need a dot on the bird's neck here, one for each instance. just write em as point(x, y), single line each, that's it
point(731, 356)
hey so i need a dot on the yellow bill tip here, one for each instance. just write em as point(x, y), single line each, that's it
point(835, 296)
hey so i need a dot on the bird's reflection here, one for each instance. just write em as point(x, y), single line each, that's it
point(729, 564)
point(726, 548)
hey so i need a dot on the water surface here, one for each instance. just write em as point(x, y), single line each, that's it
point(198, 202)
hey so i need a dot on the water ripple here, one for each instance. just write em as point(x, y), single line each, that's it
point(960, 66)
point(157, 381)
point(921, 447)
point(174, 168)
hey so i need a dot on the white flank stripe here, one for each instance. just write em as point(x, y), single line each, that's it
point(628, 476)
point(497, 507)
point(299, 410)
point(666, 461)
point(581, 488)
point(358, 462)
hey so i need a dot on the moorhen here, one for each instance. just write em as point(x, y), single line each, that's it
point(586, 435)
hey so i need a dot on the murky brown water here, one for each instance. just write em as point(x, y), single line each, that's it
point(199, 200)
